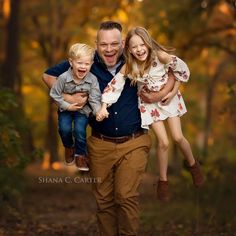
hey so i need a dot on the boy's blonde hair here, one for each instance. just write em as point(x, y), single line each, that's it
point(79, 50)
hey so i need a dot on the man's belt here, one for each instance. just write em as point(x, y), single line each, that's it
point(121, 139)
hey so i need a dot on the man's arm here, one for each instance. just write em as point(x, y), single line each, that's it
point(51, 74)
point(151, 97)
point(49, 80)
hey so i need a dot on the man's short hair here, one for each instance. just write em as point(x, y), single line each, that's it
point(109, 25)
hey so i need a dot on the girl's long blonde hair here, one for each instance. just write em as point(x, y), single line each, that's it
point(131, 68)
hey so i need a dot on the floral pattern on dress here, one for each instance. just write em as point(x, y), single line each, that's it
point(154, 80)
point(110, 87)
point(142, 109)
point(155, 113)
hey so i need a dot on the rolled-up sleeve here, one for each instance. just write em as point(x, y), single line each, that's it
point(56, 93)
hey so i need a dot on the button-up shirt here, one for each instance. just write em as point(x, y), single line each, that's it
point(124, 116)
point(67, 84)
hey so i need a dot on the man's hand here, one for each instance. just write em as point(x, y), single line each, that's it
point(166, 100)
point(151, 97)
point(79, 98)
point(74, 107)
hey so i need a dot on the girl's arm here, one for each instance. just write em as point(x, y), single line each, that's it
point(166, 100)
point(152, 97)
point(114, 88)
point(102, 113)
point(111, 94)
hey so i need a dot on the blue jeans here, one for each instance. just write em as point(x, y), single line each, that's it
point(72, 129)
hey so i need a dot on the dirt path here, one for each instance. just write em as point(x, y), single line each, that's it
point(54, 203)
point(60, 203)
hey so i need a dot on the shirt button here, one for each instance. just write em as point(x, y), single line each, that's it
point(115, 112)
point(116, 128)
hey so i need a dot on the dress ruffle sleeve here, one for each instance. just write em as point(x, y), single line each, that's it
point(113, 90)
point(179, 68)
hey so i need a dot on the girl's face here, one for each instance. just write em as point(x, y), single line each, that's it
point(138, 48)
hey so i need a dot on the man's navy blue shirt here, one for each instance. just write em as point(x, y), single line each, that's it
point(124, 116)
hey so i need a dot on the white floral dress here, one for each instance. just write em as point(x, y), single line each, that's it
point(154, 80)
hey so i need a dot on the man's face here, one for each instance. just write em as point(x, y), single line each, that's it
point(109, 46)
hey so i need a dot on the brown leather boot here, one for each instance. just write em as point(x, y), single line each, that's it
point(69, 156)
point(197, 175)
point(163, 191)
point(81, 162)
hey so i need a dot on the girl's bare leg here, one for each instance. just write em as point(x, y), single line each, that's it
point(176, 132)
point(162, 148)
point(193, 165)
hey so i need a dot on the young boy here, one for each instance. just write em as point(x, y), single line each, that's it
point(72, 119)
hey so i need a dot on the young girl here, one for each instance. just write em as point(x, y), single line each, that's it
point(147, 64)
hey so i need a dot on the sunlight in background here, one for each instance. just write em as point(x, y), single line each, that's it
point(6, 9)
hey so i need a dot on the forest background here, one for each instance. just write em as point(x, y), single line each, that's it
point(37, 34)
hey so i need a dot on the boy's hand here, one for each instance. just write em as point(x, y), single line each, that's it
point(101, 114)
point(74, 107)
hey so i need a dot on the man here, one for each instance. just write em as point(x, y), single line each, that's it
point(118, 148)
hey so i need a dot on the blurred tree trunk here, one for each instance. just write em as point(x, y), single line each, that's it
point(11, 76)
point(49, 53)
point(51, 140)
point(51, 45)
point(209, 104)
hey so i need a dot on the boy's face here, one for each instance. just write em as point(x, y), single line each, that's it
point(109, 46)
point(81, 66)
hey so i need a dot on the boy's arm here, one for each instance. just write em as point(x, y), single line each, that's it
point(94, 98)
point(151, 97)
point(56, 93)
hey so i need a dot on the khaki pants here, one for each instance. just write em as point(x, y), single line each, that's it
point(118, 169)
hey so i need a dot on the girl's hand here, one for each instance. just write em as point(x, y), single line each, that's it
point(101, 114)
point(166, 100)
point(74, 107)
